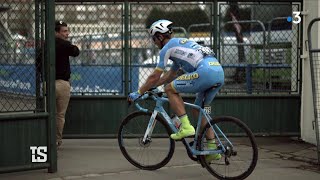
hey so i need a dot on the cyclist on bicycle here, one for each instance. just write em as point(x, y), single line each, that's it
point(203, 71)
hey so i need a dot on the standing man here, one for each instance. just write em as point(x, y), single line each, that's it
point(203, 72)
point(64, 49)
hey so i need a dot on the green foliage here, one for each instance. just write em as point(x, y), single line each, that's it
point(180, 18)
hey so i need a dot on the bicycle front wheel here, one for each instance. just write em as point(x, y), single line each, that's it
point(153, 154)
point(241, 155)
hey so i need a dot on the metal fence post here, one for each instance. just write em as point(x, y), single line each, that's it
point(126, 48)
point(51, 67)
point(215, 27)
point(39, 104)
point(249, 78)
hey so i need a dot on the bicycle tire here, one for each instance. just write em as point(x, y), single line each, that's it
point(144, 117)
point(244, 147)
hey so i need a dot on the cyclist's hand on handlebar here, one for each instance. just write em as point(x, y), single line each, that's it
point(133, 96)
point(154, 89)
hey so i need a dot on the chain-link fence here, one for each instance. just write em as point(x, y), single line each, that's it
point(26, 35)
point(259, 47)
point(97, 29)
point(144, 54)
point(256, 45)
point(314, 55)
point(20, 34)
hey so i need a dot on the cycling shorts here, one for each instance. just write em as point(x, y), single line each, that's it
point(208, 73)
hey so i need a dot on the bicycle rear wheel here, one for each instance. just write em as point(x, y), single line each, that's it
point(241, 154)
point(156, 152)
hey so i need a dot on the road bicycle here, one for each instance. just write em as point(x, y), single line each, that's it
point(144, 140)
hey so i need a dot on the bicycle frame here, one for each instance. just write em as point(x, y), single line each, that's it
point(159, 109)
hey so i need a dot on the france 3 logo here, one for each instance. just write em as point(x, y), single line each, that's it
point(296, 19)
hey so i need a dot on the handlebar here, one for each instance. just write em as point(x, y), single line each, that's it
point(153, 93)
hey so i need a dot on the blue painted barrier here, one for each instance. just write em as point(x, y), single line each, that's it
point(20, 79)
point(91, 80)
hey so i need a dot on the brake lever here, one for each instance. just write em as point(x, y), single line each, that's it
point(130, 102)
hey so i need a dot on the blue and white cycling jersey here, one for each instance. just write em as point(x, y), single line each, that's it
point(204, 74)
point(184, 53)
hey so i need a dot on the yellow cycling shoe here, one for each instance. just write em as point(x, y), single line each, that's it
point(211, 157)
point(184, 131)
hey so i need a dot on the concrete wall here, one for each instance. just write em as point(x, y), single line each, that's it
point(307, 113)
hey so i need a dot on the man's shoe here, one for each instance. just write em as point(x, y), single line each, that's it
point(184, 131)
point(212, 157)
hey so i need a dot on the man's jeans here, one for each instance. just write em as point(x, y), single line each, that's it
point(62, 101)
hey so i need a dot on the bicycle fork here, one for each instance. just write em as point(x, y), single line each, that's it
point(151, 125)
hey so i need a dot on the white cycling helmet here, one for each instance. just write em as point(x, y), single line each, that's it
point(161, 26)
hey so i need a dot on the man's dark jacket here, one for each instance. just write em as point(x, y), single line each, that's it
point(64, 49)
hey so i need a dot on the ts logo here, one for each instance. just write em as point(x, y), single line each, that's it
point(38, 154)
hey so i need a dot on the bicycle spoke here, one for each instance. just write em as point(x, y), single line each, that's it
point(151, 154)
point(239, 159)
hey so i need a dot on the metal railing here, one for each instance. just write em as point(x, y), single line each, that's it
point(248, 66)
point(314, 55)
